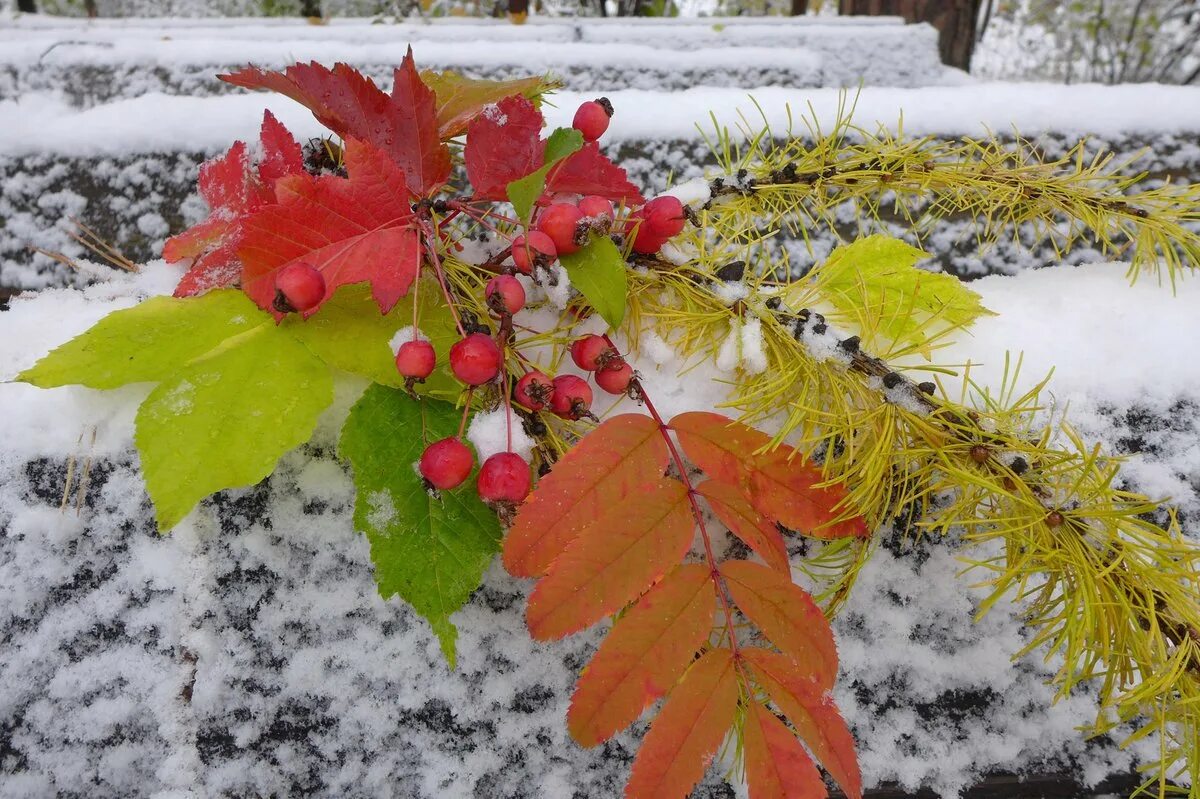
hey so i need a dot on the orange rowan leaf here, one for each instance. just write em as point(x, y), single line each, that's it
point(781, 484)
point(786, 614)
point(786, 487)
point(811, 711)
point(606, 466)
point(622, 551)
point(777, 767)
point(755, 530)
point(646, 652)
point(689, 729)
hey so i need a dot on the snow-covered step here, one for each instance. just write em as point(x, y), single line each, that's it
point(97, 63)
point(128, 169)
point(248, 654)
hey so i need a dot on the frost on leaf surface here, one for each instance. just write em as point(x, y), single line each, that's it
point(431, 549)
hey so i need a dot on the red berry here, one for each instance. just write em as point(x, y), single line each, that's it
point(416, 359)
point(298, 287)
point(504, 294)
point(534, 390)
point(533, 248)
point(591, 118)
point(572, 397)
point(446, 463)
point(645, 241)
point(504, 477)
point(594, 207)
point(664, 216)
point(561, 223)
point(592, 352)
point(615, 379)
point(475, 359)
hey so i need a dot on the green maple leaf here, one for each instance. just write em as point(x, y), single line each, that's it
point(874, 283)
point(431, 550)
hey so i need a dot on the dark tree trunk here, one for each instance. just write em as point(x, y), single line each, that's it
point(28, 6)
point(518, 8)
point(799, 8)
point(954, 19)
point(310, 8)
point(90, 7)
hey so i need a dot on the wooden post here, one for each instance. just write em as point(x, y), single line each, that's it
point(954, 19)
point(27, 6)
point(799, 8)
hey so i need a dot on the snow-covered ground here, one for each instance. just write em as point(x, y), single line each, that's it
point(249, 654)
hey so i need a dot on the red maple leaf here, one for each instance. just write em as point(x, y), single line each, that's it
point(504, 144)
point(403, 124)
point(232, 188)
point(354, 230)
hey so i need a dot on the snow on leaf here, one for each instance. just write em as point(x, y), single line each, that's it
point(145, 343)
point(460, 99)
point(224, 420)
point(779, 482)
point(755, 530)
point(875, 284)
point(687, 731)
point(777, 767)
point(811, 711)
point(786, 614)
point(432, 550)
point(403, 124)
point(356, 229)
point(602, 470)
point(599, 272)
point(644, 654)
point(615, 557)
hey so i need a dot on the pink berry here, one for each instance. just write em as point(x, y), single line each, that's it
point(446, 463)
point(592, 352)
point(572, 397)
point(534, 390)
point(531, 249)
point(475, 359)
point(664, 216)
point(594, 207)
point(504, 477)
point(416, 359)
point(298, 287)
point(504, 294)
point(561, 223)
point(591, 118)
point(616, 378)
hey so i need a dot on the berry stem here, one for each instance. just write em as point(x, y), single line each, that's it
point(431, 248)
point(462, 424)
point(714, 573)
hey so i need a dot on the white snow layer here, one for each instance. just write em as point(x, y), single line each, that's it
point(248, 653)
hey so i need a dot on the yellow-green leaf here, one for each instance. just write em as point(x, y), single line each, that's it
point(225, 419)
point(460, 98)
point(148, 342)
point(598, 271)
point(875, 285)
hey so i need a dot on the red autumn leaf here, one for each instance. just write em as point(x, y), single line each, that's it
point(755, 530)
point(781, 484)
point(688, 731)
point(233, 189)
point(606, 466)
point(403, 124)
point(636, 542)
point(460, 99)
point(786, 614)
point(646, 652)
point(354, 230)
point(504, 144)
point(777, 767)
point(812, 712)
